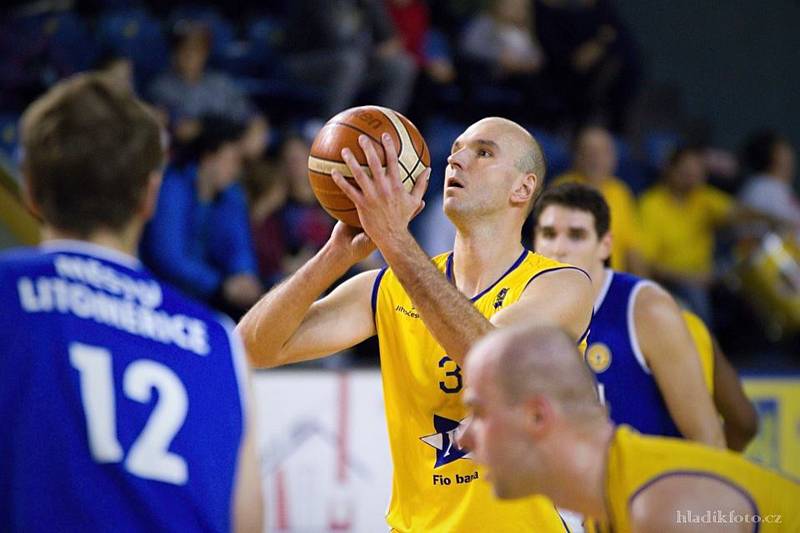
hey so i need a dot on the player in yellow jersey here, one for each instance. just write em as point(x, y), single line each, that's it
point(739, 416)
point(538, 425)
point(428, 313)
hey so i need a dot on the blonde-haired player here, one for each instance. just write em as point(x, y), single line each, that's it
point(428, 313)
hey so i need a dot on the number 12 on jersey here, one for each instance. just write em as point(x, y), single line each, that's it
point(149, 456)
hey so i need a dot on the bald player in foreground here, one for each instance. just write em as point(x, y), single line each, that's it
point(538, 426)
point(427, 313)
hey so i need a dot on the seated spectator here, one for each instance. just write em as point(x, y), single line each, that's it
point(594, 163)
point(499, 45)
point(199, 237)
point(431, 53)
point(592, 56)
point(346, 46)
point(189, 91)
point(502, 38)
point(771, 159)
point(306, 225)
point(267, 189)
point(679, 218)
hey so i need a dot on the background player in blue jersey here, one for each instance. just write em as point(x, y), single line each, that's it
point(123, 404)
point(639, 347)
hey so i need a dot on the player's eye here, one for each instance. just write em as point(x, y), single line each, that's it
point(484, 153)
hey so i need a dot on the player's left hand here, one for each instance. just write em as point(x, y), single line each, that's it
point(384, 206)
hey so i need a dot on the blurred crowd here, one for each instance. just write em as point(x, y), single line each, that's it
point(243, 88)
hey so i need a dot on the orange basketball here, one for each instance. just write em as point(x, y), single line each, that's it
point(342, 131)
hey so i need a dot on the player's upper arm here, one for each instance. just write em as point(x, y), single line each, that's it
point(247, 505)
point(560, 297)
point(670, 503)
point(338, 321)
point(671, 356)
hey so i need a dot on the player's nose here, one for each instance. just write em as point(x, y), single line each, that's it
point(456, 159)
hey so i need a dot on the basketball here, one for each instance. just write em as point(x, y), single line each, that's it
point(342, 131)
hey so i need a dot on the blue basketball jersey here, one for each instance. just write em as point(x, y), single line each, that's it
point(625, 381)
point(121, 400)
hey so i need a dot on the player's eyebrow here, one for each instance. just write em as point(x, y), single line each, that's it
point(480, 142)
point(487, 142)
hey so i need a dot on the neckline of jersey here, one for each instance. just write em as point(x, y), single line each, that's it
point(601, 296)
point(91, 249)
point(517, 263)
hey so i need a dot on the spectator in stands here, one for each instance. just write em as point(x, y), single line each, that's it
point(430, 50)
point(189, 91)
point(592, 56)
point(594, 163)
point(267, 189)
point(771, 159)
point(345, 46)
point(306, 225)
point(199, 238)
point(679, 218)
point(499, 45)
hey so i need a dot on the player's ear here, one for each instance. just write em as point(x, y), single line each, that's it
point(538, 413)
point(606, 241)
point(150, 198)
point(525, 189)
point(28, 196)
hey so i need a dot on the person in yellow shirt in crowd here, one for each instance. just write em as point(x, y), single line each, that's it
point(538, 425)
point(595, 162)
point(680, 216)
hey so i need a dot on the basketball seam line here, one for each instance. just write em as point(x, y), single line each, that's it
point(346, 125)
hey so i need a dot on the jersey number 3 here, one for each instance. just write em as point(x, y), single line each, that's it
point(452, 382)
point(149, 456)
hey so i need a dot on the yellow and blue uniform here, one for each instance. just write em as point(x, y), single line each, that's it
point(624, 378)
point(436, 486)
point(636, 461)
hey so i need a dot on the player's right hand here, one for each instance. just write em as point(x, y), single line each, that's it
point(352, 242)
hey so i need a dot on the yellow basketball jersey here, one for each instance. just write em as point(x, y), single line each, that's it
point(703, 344)
point(436, 487)
point(636, 460)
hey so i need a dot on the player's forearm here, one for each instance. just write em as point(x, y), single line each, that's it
point(270, 323)
point(448, 315)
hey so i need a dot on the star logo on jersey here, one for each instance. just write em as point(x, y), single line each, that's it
point(444, 440)
point(498, 302)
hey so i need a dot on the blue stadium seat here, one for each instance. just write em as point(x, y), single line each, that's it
point(556, 152)
point(9, 137)
point(439, 133)
point(224, 43)
point(657, 146)
point(266, 37)
point(136, 34)
point(629, 168)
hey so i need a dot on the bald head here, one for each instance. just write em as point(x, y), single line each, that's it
point(537, 361)
point(529, 155)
